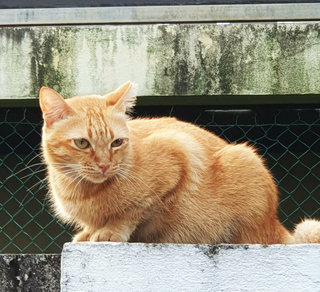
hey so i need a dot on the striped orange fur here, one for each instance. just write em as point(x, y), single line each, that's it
point(155, 180)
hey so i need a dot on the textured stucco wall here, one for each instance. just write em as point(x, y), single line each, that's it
point(160, 267)
point(165, 60)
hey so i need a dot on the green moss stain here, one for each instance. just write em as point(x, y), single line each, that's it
point(52, 60)
point(180, 64)
point(182, 70)
point(241, 59)
point(299, 65)
point(272, 56)
point(14, 34)
point(226, 65)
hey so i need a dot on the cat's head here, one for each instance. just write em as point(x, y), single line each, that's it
point(87, 137)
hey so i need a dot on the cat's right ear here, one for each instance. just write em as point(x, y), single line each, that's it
point(53, 106)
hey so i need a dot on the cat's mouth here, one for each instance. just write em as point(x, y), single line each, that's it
point(98, 177)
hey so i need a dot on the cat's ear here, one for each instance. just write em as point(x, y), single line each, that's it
point(53, 106)
point(124, 98)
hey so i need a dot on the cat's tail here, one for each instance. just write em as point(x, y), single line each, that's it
point(308, 231)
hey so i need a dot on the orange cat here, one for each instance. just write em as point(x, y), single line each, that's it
point(155, 180)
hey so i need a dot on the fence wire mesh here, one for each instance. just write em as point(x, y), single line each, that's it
point(289, 140)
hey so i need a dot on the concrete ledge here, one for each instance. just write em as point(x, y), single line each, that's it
point(167, 267)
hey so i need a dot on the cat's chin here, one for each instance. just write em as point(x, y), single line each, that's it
point(97, 179)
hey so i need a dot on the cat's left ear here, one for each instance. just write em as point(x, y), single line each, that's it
point(124, 98)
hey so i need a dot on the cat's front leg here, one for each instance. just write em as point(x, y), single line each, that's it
point(103, 234)
point(114, 232)
point(83, 235)
point(106, 234)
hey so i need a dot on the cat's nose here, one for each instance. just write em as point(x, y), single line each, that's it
point(104, 167)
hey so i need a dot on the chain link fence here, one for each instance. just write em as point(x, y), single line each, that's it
point(289, 140)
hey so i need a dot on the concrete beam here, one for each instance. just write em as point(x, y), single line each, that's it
point(196, 60)
point(161, 14)
point(163, 267)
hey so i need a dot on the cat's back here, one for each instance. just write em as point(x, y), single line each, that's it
point(145, 127)
point(174, 129)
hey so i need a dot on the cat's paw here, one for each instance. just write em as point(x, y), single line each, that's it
point(105, 234)
point(81, 236)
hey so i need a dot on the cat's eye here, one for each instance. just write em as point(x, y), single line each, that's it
point(81, 143)
point(117, 143)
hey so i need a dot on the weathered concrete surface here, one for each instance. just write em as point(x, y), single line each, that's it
point(30, 273)
point(165, 267)
point(165, 60)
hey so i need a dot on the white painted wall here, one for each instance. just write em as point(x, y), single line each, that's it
point(168, 267)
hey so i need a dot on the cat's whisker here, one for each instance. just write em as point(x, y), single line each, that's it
point(33, 158)
point(66, 171)
point(30, 168)
point(73, 173)
point(63, 167)
point(74, 177)
point(23, 169)
point(76, 186)
point(41, 170)
point(33, 173)
point(29, 190)
point(66, 164)
point(37, 183)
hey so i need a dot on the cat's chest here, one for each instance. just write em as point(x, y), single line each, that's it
point(91, 211)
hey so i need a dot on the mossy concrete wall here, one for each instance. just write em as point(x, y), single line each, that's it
point(165, 60)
